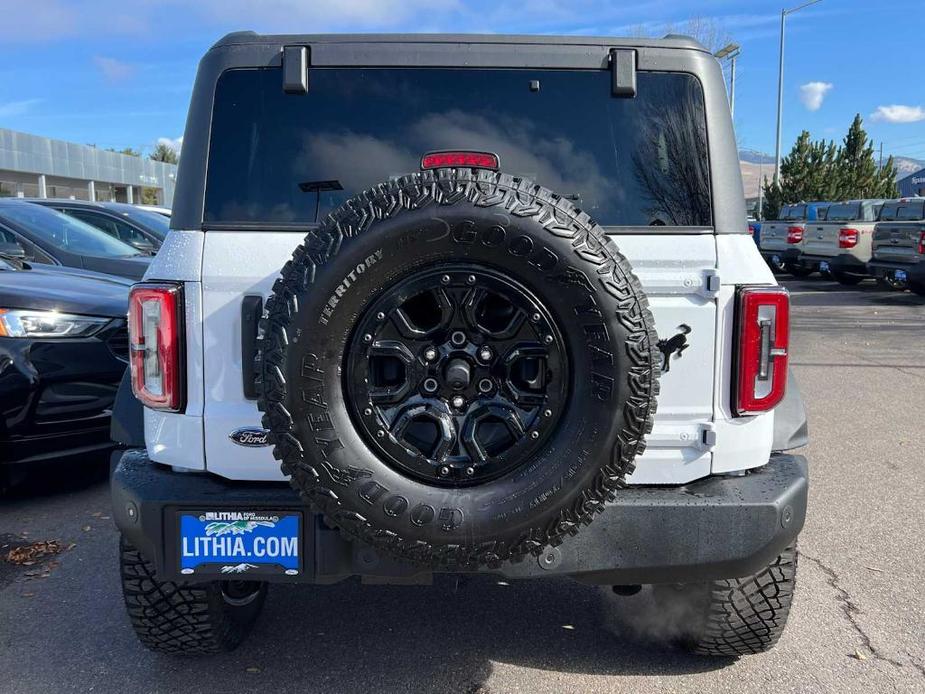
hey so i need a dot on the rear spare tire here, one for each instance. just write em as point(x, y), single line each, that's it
point(459, 368)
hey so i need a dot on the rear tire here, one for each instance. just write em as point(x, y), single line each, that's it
point(180, 619)
point(736, 616)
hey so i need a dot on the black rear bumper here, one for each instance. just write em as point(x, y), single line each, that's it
point(915, 272)
point(787, 255)
point(718, 527)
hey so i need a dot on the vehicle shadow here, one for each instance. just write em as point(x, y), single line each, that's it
point(450, 636)
point(41, 480)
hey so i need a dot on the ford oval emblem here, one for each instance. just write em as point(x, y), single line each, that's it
point(251, 437)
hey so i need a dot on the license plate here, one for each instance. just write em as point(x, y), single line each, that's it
point(823, 266)
point(232, 543)
point(899, 275)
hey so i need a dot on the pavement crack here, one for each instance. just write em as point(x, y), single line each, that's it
point(851, 611)
point(918, 666)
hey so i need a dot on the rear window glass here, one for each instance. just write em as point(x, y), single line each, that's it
point(844, 212)
point(627, 162)
point(902, 211)
point(793, 212)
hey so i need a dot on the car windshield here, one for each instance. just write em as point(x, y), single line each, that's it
point(793, 212)
point(626, 162)
point(65, 232)
point(909, 210)
point(844, 212)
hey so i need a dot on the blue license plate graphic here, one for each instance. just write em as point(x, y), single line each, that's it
point(233, 543)
point(900, 275)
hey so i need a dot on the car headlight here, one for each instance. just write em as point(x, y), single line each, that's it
point(17, 322)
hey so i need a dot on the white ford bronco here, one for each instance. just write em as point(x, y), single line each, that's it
point(458, 304)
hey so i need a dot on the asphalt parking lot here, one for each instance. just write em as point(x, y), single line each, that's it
point(858, 623)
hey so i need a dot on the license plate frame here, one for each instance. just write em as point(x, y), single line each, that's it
point(233, 543)
point(824, 266)
point(900, 275)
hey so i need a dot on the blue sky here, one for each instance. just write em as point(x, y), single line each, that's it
point(118, 73)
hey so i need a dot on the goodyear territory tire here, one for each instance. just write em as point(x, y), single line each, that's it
point(459, 368)
point(736, 616)
point(181, 619)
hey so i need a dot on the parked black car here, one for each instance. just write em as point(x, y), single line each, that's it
point(63, 350)
point(37, 233)
point(145, 231)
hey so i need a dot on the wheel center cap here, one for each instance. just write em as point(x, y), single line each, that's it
point(458, 374)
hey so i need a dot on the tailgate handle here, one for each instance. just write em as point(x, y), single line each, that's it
point(251, 310)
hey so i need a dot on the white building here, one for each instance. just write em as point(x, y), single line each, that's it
point(35, 166)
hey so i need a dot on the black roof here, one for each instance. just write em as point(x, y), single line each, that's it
point(239, 38)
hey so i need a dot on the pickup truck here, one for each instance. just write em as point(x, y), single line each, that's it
point(842, 243)
point(899, 244)
point(782, 239)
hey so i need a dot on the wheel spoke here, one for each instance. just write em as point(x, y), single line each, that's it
point(456, 375)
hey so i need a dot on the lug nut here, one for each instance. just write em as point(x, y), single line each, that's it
point(380, 316)
point(485, 353)
point(485, 385)
point(458, 401)
point(380, 434)
point(367, 338)
point(368, 411)
point(431, 385)
point(445, 279)
point(535, 317)
point(534, 434)
point(548, 339)
point(458, 338)
point(547, 413)
point(445, 471)
point(470, 471)
point(430, 354)
point(471, 279)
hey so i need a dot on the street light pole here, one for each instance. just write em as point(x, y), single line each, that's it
point(780, 83)
point(732, 85)
point(730, 52)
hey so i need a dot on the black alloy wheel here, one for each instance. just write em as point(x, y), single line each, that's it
point(456, 375)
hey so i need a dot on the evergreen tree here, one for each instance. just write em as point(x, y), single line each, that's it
point(796, 170)
point(772, 200)
point(857, 169)
point(886, 184)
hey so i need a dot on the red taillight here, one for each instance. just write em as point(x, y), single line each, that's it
point(922, 243)
point(155, 343)
point(763, 322)
point(794, 234)
point(848, 238)
point(476, 160)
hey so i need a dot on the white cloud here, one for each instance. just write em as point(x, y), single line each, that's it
point(113, 70)
point(175, 143)
point(897, 113)
point(812, 94)
point(17, 108)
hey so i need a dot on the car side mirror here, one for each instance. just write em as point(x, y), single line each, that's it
point(12, 248)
